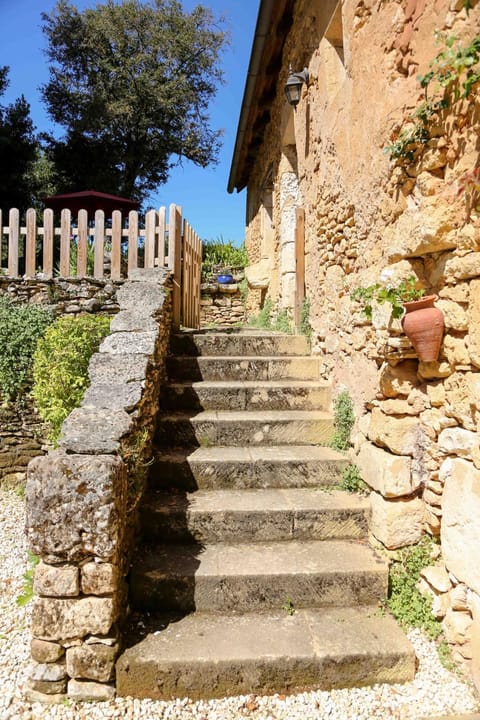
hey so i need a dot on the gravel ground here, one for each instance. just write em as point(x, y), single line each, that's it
point(435, 691)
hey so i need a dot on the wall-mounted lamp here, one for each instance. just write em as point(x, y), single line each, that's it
point(293, 86)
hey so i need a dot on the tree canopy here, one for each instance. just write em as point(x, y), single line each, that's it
point(18, 151)
point(130, 82)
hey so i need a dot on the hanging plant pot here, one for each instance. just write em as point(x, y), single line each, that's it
point(423, 324)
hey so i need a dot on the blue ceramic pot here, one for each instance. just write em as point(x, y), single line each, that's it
point(225, 279)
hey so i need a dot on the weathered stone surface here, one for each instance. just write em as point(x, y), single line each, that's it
point(434, 370)
point(94, 431)
point(463, 268)
point(128, 343)
point(48, 672)
point(390, 475)
point(457, 441)
point(259, 274)
point(149, 296)
point(54, 619)
point(118, 369)
point(91, 662)
point(475, 608)
point(398, 380)
point(474, 323)
point(83, 691)
point(463, 398)
point(99, 578)
point(458, 597)
point(457, 626)
point(133, 320)
point(455, 350)
point(460, 527)
point(43, 651)
point(75, 506)
point(436, 394)
point(437, 577)
point(399, 435)
point(454, 315)
point(424, 228)
point(46, 688)
point(56, 581)
point(113, 396)
point(396, 523)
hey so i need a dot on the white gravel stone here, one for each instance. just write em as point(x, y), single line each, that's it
point(434, 691)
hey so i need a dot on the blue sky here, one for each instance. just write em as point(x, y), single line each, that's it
point(201, 192)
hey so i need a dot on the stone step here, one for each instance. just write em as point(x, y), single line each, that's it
point(247, 395)
point(224, 427)
point(248, 467)
point(213, 516)
point(205, 656)
point(248, 577)
point(243, 368)
point(238, 342)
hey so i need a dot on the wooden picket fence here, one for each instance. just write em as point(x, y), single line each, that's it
point(102, 247)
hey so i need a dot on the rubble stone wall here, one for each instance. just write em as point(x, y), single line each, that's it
point(221, 305)
point(371, 218)
point(22, 433)
point(82, 500)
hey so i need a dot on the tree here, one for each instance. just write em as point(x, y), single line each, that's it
point(131, 83)
point(18, 151)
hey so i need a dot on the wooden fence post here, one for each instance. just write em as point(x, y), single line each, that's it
point(30, 242)
point(13, 238)
point(99, 244)
point(299, 265)
point(82, 242)
point(116, 252)
point(175, 261)
point(150, 221)
point(132, 240)
point(162, 222)
point(48, 233)
point(65, 231)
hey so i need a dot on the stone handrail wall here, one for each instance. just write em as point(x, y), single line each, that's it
point(82, 500)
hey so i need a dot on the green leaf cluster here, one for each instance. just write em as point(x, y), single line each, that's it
point(405, 601)
point(406, 291)
point(305, 327)
point(343, 421)
point(352, 480)
point(453, 73)
point(220, 255)
point(266, 320)
point(21, 327)
point(27, 593)
point(60, 366)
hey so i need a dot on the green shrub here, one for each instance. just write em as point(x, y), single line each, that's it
point(405, 601)
point(352, 480)
point(60, 368)
point(343, 421)
point(305, 327)
point(21, 327)
point(263, 319)
point(220, 255)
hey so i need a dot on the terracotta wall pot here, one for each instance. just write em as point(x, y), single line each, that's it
point(423, 324)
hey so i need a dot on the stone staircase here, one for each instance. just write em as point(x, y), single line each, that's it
point(255, 574)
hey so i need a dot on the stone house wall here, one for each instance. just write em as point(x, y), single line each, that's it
point(368, 217)
point(82, 500)
point(22, 433)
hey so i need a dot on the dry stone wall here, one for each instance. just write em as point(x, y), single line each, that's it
point(22, 433)
point(371, 218)
point(221, 305)
point(82, 501)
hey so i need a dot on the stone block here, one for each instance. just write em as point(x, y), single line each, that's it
point(113, 396)
point(396, 523)
point(401, 436)
point(75, 506)
point(390, 475)
point(91, 662)
point(434, 370)
point(454, 315)
point(47, 672)
point(56, 580)
point(62, 620)
point(436, 394)
point(457, 626)
point(462, 268)
point(460, 532)
point(43, 651)
point(45, 688)
point(99, 578)
point(474, 323)
point(437, 578)
point(94, 430)
point(84, 691)
point(133, 320)
point(118, 369)
point(463, 398)
point(457, 441)
point(424, 228)
point(128, 343)
point(455, 351)
point(398, 380)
